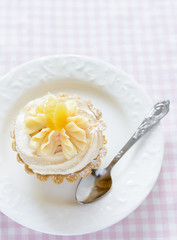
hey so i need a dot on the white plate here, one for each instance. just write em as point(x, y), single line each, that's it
point(51, 208)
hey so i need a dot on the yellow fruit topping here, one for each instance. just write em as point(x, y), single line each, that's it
point(61, 114)
point(56, 113)
point(49, 112)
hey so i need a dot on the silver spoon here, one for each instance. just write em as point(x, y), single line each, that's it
point(99, 182)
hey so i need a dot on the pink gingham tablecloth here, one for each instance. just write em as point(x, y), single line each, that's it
point(138, 36)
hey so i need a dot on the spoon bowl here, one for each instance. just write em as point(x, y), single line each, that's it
point(94, 187)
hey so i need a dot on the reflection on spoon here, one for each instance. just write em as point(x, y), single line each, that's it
point(94, 186)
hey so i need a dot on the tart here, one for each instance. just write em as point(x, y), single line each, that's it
point(58, 137)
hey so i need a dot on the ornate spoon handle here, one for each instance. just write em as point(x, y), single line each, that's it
point(159, 110)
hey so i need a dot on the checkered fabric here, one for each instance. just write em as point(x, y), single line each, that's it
point(138, 36)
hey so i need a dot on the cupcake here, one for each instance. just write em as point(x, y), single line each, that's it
point(59, 136)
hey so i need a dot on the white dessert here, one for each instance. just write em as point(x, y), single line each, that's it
point(58, 135)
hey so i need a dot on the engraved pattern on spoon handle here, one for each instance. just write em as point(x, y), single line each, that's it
point(159, 110)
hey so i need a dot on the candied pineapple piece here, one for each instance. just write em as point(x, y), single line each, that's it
point(56, 114)
point(49, 112)
point(61, 114)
